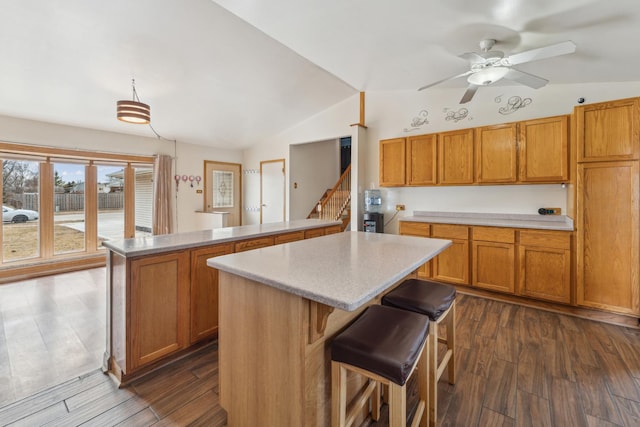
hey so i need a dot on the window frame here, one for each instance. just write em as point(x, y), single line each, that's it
point(93, 256)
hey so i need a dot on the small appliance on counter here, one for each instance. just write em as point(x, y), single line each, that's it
point(373, 219)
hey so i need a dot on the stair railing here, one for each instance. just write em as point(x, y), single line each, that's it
point(333, 206)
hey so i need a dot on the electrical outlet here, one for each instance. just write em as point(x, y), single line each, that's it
point(399, 207)
point(549, 211)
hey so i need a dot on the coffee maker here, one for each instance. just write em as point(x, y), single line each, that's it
point(373, 219)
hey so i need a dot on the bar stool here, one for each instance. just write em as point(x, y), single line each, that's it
point(437, 301)
point(384, 345)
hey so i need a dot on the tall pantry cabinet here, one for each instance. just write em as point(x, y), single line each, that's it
point(608, 205)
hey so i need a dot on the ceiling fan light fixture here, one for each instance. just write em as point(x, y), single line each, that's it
point(487, 76)
point(133, 111)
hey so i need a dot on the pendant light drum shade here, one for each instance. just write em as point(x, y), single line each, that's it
point(134, 112)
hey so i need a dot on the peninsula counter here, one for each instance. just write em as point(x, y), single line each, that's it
point(280, 307)
point(162, 298)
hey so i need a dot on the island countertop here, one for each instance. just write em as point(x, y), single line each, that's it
point(343, 270)
point(168, 242)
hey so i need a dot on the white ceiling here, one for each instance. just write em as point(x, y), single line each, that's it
point(232, 72)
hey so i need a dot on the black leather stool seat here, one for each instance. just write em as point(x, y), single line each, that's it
point(422, 296)
point(383, 340)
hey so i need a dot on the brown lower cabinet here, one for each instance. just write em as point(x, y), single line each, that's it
point(452, 265)
point(493, 259)
point(524, 262)
point(204, 292)
point(162, 304)
point(544, 260)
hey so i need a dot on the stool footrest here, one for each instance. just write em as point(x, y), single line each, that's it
point(443, 365)
point(361, 399)
point(417, 417)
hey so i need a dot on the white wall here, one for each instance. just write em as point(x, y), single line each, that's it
point(330, 124)
point(315, 168)
point(390, 115)
point(190, 157)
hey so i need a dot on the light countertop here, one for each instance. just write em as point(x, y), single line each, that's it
point(342, 270)
point(542, 222)
point(168, 242)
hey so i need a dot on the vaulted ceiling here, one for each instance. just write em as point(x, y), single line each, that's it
point(229, 73)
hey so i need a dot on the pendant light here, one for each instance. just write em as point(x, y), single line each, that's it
point(134, 111)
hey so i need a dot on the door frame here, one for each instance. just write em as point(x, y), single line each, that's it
point(284, 187)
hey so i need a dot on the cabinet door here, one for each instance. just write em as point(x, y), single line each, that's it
point(494, 266)
point(455, 157)
point(421, 161)
point(543, 150)
point(544, 273)
point(452, 264)
point(608, 130)
point(495, 155)
point(159, 307)
point(418, 229)
point(608, 245)
point(392, 162)
point(204, 292)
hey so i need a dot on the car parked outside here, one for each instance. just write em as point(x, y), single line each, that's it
point(18, 215)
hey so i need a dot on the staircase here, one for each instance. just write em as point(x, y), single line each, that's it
point(335, 204)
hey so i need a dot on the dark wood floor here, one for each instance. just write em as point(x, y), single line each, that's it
point(517, 366)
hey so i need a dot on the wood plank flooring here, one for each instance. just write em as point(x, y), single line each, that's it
point(516, 366)
point(52, 329)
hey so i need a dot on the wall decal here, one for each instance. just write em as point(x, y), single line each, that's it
point(418, 121)
point(456, 116)
point(514, 103)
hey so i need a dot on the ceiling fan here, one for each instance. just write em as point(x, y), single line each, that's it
point(489, 66)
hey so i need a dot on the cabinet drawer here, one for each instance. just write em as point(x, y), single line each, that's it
point(546, 239)
point(420, 229)
point(333, 230)
point(494, 234)
point(449, 231)
point(316, 232)
point(289, 237)
point(260, 242)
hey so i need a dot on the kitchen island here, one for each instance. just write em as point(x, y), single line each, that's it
point(281, 306)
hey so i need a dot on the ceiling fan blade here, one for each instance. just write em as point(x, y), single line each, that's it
point(472, 57)
point(526, 78)
point(466, 73)
point(550, 51)
point(471, 90)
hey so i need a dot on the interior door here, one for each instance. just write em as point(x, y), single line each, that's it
point(223, 190)
point(272, 187)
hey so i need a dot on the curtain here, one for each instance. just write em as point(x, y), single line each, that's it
point(162, 210)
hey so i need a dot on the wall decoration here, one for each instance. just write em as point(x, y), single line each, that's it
point(456, 116)
point(514, 103)
point(418, 121)
point(222, 189)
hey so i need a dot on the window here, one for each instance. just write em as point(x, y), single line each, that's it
point(20, 210)
point(60, 205)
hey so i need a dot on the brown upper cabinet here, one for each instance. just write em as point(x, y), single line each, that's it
point(531, 151)
point(421, 160)
point(608, 130)
point(392, 162)
point(543, 150)
point(496, 153)
point(455, 157)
